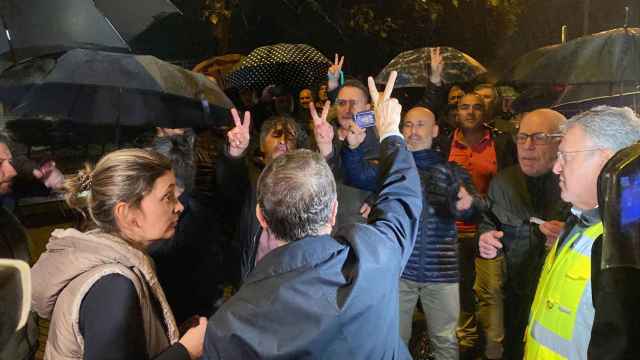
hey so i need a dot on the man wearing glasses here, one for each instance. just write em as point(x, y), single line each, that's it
point(351, 99)
point(565, 304)
point(517, 195)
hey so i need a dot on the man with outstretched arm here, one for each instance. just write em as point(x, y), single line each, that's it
point(314, 295)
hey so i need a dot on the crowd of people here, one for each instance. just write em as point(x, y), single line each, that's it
point(330, 233)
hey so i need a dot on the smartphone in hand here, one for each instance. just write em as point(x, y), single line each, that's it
point(365, 119)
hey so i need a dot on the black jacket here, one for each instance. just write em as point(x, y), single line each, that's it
point(616, 296)
point(325, 297)
point(194, 253)
point(514, 198)
point(237, 179)
point(14, 244)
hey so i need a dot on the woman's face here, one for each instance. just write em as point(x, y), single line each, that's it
point(159, 210)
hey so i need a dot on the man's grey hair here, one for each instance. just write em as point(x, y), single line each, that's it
point(296, 192)
point(608, 127)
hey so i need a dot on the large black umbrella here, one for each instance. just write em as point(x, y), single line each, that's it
point(101, 88)
point(31, 28)
point(630, 99)
point(293, 65)
point(412, 67)
point(611, 56)
point(19, 78)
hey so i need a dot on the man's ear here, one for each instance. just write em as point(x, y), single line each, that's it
point(435, 131)
point(334, 213)
point(261, 219)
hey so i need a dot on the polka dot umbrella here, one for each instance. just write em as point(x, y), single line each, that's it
point(412, 67)
point(292, 65)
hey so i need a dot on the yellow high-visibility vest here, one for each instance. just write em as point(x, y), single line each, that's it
point(562, 312)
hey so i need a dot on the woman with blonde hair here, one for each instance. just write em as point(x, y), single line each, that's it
point(99, 287)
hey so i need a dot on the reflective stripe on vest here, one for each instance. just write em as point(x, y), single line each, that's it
point(562, 312)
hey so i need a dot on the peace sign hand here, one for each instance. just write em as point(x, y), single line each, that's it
point(239, 136)
point(322, 130)
point(437, 66)
point(388, 110)
point(334, 72)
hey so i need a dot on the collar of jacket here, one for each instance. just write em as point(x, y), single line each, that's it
point(587, 218)
point(296, 256)
point(426, 158)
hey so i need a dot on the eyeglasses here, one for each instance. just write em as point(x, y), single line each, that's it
point(347, 103)
point(562, 155)
point(536, 138)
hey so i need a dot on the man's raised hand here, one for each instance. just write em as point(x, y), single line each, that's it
point(239, 136)
point(388, 110)
point(322, 130)
point(437, 66)
point(334, 73)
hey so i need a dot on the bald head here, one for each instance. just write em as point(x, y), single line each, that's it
point(419, 128)
point(546, 119)
point(536, 157)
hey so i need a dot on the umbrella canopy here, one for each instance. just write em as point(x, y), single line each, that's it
point(630, 99)
point(611, 56)
point(35, 27)
point(38, 27)
point(292, 65)
point(412, 67)
point(17, 80)
point(102, 88)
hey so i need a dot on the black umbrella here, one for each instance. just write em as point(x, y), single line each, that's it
point(35, 27)
point(31, 28)
point(611, 56)
point(411, 67)
point(18, 79)
point(292, 65)
point(630, 99)
point(101, 88)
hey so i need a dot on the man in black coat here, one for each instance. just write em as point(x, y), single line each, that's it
point(237, 174)
point(14, 245)
point(516, 194)
point(314, 295)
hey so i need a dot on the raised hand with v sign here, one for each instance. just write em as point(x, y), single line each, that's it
point(239, 136)
point(322, 130)
point(387, 109)
point(334, 73)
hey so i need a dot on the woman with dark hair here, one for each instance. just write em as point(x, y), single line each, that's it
point(99, 288)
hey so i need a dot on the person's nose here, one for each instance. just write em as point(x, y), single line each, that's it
point(528, 143)
point(557, 166)
point(178, 208)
